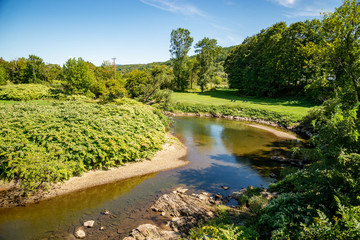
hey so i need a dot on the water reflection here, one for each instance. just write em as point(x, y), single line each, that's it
point(221, 152)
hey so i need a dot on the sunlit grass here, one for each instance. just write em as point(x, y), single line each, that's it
point(231, 98)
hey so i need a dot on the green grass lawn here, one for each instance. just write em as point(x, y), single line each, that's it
point(230, 97)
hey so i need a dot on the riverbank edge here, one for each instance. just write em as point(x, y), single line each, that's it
point(259, 123)
point(171, 156)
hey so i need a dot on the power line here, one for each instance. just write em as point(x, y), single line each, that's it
point(114, 66)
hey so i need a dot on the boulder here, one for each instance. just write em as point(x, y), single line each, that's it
point(151, 232)
point(79, 232)
point(184, 211)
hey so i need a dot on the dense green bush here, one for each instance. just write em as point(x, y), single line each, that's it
point(49, 143)
point(346, 225)
point(223, 228)
point(311, 192)
point(22, 92)
point(283, 118)
point(257, 203)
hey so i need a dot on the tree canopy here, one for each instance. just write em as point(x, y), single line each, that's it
point(180, 44)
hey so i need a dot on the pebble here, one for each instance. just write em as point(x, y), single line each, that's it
point(89, 223)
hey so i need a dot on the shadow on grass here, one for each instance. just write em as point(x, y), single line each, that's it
point(233, 96)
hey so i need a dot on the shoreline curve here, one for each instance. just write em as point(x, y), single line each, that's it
point(170, 157)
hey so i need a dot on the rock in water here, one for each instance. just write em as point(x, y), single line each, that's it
point(151, 232)
point(79, 232)
point(106, 212)
point(89, 223)
point(225, 188)
point(185, 212)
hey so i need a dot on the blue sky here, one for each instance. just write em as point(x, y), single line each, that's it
point(136, 31)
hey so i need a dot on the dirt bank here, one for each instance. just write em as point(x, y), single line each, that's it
point(171, 156)
point(278, 133)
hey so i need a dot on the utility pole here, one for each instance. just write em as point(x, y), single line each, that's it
point(114, 66)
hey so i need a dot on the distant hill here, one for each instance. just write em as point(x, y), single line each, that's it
point(130, 67)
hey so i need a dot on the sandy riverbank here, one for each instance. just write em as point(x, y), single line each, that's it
point(171, 156)
point(278, 133)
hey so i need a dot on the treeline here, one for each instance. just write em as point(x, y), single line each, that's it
point(150, 83)
point(79, 77)
point(318, 59)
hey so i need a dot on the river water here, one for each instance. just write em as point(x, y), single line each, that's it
point(221, 153)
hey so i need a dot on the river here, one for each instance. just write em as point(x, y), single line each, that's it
point(221, 153)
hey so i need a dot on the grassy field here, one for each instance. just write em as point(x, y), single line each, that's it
point(229, 97)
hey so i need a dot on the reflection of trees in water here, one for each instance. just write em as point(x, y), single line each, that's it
point(62, 211)
point(247, 140)
point(211, 178)
point(195, 131)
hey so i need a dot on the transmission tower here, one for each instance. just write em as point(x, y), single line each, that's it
point(114, 66)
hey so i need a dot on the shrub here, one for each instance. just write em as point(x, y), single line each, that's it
point(282, 216)
point(222, 228)
point(40, 144)
point(23, 92)
point(257, 203)
point(282, 118)
point(346, 225)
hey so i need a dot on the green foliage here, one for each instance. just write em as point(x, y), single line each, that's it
point(41, 144)
point(207, 50)
point(345, 225)
point(135, 82)
point(35, 69)
point(340, 53)
point(243, 200)
point(257, 203)
point(4, 72)
point(23, 92)
point(180, 43)
point(113, 89)
point(147, 85)
point(335, 172)
point(282, 216)
point(222, 228)
point(249, 112)
point(271, 62)
point(78, 76)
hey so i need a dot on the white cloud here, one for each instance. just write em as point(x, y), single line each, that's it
point(286, 3)
point(307, 12)
point(174, 6)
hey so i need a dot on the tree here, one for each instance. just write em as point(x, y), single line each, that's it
point(158, 76)
point(135, 82)
point(193, 70)
point(180, 44)
point(35, 69)
point(18, 71)
point(4, 75)
point(341, 50)
point(78, 76)
point(207, 50)
point(53, 72)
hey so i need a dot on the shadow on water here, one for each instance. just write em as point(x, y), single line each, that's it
point(221, 153)
point(64, 211)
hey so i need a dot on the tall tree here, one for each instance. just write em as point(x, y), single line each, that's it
point(78, 76)
point(342, 47)
point(193, 70)
point(180, 44)
point(53, 72)
point(18, 70)
point(207, 50)
point(35, 69)
point(4, 75)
